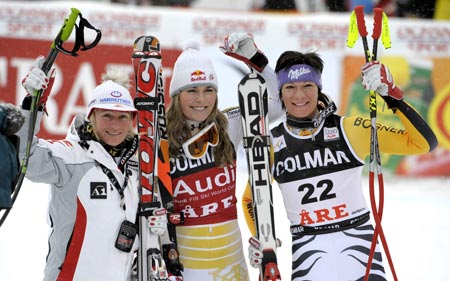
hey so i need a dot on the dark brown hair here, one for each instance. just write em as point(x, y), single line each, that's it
point(290, 58)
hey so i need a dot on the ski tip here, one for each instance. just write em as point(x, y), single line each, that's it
point(251, 76)
point(146, 43)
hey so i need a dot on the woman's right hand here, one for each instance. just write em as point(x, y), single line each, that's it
point(255, 254)
point(35, 81)
point(157, 222)
point(241, 46)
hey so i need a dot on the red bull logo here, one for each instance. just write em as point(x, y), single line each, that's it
point(198, 75)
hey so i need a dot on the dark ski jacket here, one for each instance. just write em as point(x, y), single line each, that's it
point(9, 164)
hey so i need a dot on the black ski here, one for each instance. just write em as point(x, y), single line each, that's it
point(253, 103)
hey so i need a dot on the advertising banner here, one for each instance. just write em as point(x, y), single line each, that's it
point(419, 59)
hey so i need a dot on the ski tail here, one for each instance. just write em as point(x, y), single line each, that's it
point(157, 255)
point(253, 103)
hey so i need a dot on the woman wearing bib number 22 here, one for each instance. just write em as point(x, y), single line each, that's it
point(318, 162)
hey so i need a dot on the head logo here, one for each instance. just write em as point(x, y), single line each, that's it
point(279, 143)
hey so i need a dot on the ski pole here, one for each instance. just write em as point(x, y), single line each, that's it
point(357, 20)
point(374, 149)
point(55, 48)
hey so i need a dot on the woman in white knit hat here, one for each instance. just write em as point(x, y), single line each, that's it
point(93, 174)
point(203, 142)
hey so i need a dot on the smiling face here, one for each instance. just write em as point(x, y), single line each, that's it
point(197, 103)
point(300, 99)
point(112, 127)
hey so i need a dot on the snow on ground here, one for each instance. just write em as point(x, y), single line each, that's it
point(416, 223)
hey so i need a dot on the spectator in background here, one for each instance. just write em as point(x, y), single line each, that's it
point(442, 10)
point(416, 8)
point(279, 5)
point(11, 120)
point(172, 3)
point(438, 9)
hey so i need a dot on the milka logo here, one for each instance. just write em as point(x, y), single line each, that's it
point(294, 74)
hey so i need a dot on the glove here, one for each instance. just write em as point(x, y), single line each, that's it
point(378, 78)
point(242, 47)
point(255, 254)
point(14, 119)
point(175, 278)
point(157, 222)
point(35, 81)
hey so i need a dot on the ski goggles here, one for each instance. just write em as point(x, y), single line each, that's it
point(196, 146)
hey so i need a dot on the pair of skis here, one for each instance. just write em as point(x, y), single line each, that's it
point(380, 28)
point(56, 47)
point(157, 255)
point(253, 103)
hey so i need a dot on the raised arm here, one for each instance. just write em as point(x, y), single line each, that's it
point(43, 166)
point(241, 46)
point(416, 136)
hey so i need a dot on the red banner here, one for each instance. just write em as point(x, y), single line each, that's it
point(76, 77)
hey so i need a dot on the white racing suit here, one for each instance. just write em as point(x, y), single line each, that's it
point(85, 210)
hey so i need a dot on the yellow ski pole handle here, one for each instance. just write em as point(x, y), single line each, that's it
point(67, 27)
point(352, 35)
point(385, 32)
point(63, 35)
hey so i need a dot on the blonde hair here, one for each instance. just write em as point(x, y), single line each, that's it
point(178, 132)
point(118, 75)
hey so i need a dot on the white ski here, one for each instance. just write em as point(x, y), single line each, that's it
point(253, 103)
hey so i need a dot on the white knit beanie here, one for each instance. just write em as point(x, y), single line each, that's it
point(192, 68)
point(110, 96)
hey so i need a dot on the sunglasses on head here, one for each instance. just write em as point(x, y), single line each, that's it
point(197, 145)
